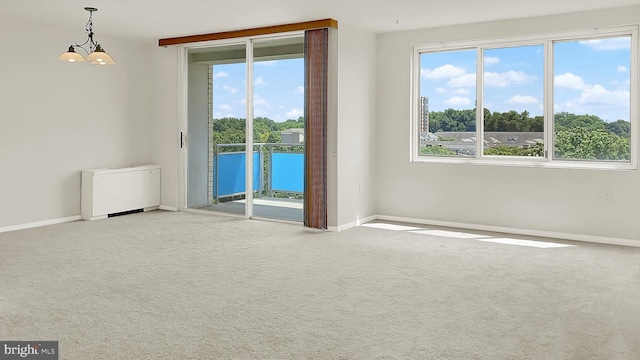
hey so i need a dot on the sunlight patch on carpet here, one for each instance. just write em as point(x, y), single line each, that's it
point(530, 243)
point(450, 234)
point(390, 227)
point(468, 236)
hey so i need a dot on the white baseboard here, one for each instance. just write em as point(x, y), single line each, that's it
point(39, 223)
point(168, 208)
point(367, 219)
point(352, 224)
point(518, 231)
point(342, 227)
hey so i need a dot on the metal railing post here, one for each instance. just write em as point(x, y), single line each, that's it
point(270, 171)
point(217, 173)
point(261, 178)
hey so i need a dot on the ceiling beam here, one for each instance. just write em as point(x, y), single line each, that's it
point(301, 26)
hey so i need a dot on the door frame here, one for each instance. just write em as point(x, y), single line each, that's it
point(183, 110)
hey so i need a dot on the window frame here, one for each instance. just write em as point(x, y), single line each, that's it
point(547, 41)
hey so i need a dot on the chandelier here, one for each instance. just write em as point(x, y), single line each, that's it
point(95, 53)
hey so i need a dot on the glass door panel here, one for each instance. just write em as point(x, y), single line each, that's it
point(278, 127)
point(217, 124)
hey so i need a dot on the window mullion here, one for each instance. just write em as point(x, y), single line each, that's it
point(548, 104)
point(633, 91)
point(479, 102)
point(414, 134)
point(249, 131)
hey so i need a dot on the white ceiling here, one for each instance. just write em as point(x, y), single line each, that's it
point(155, 19)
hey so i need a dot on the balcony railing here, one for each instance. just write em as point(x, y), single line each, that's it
point(277, 169)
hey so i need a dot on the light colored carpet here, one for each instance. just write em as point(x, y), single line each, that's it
point(164, 285)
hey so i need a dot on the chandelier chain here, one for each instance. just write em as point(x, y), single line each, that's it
point(89, 30)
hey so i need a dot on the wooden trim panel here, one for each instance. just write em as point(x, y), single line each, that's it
point(316, 112)
point(301, 26)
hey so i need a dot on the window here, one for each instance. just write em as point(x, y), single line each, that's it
point(566, 100)
point(513, 90)
point(591, 83)
point(447, 78)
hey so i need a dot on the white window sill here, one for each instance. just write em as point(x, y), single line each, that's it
point(511, 161)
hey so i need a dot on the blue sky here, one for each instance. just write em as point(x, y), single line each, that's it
point(278, 89)
point(590, 77)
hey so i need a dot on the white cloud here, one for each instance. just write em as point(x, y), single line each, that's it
point(598, 100)
point(621, 68)
point(466, 80)
point(260, 81)
point(299, 90)
point(294, 113)
point(522, 100)
point(225, 107)
point(598, 95)
point(608, 44)
point(260, 102)
point(491, 60)
point(220, 74)
point(593, 99)
point(443, 72)
point(230, 89)
point(441, 90)
point(458, 101)
point(461, 92)
point(505, 79)
point(569, 81)
point(267, 63)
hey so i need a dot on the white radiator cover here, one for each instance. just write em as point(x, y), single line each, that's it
point(109, 191)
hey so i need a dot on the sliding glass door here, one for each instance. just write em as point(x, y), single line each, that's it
point(246, 128)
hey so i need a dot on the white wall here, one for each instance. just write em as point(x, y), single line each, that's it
point(166, 148)
point(356, 125)
point(57, 119)
point(601, 204)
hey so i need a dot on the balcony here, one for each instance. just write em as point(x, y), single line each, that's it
point(278, 180)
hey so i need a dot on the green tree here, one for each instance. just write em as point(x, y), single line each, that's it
point(452, 120)
point(619, 127)
point(228, 131)
point(513, 121)
point(583, 144)
point(565, 121)
point(435, 150)
point(291, 124)
point(465, 120)
point(265, 130)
